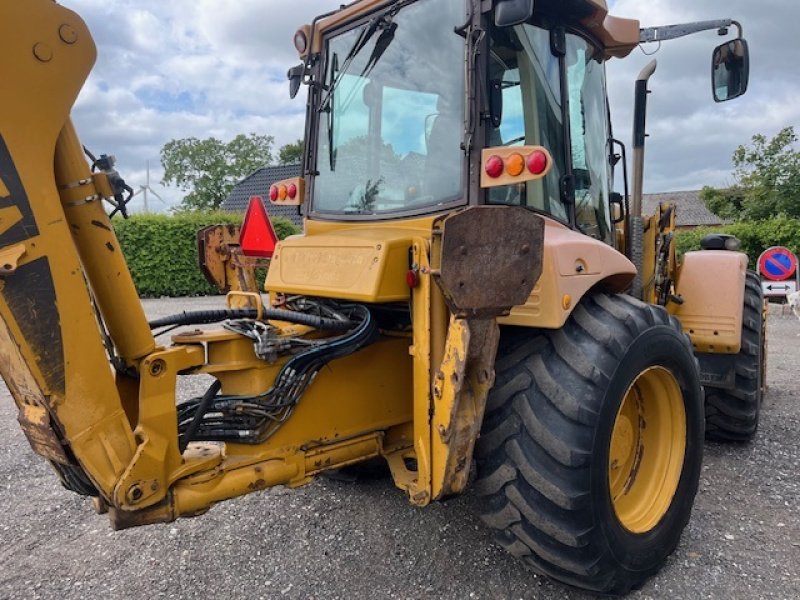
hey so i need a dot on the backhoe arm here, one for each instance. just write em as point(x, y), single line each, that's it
point(61, 258)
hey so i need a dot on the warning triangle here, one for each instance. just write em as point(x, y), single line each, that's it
point(257, 237)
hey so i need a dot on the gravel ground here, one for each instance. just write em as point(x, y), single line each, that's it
point(339, 540)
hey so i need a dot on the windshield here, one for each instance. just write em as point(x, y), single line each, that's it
point(391, 122)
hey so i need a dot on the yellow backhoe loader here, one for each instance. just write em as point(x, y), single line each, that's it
point(469, 301)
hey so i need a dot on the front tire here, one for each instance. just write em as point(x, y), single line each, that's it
point(589, 458)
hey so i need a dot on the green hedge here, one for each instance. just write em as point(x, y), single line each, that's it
point(756, 236)
point(161, 250)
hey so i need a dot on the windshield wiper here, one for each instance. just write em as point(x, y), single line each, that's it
point(383, 21)
point(363, 39)
point(327, 102)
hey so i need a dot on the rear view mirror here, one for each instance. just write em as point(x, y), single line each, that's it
point(512, 12)
point(730, 70)
point(295, 76)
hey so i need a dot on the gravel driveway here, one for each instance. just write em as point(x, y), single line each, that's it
point(342, 540)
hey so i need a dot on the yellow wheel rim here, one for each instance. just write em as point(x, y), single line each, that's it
point(647, 450)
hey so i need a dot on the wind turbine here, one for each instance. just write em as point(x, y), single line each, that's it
point(145, 189)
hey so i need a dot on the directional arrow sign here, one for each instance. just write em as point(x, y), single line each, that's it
point(778, 288)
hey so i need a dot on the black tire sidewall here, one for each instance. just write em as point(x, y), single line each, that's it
point(665, 347)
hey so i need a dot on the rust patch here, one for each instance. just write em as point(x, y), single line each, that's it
point(489, 258)
point(258, 484)
point(35, 424)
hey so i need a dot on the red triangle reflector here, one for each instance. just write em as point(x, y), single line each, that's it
point(257, 237)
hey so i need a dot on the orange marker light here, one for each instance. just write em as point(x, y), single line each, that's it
point(515, 164)
point(282, 192)
point(494, 166)
point(537, 162)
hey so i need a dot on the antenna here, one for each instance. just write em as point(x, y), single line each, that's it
point(145, 189)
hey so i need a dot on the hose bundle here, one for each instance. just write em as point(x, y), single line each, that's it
point(252, 419)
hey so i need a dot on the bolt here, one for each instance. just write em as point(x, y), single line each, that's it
point(43, 52)
point(134, 493)
point(525, 249)
point(157, 367)
point(67, 34)
point(442, 432)
point(483, 376)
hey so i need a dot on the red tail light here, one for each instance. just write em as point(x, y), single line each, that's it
point(257, 237)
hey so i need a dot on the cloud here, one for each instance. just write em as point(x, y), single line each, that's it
point(218, 67)
point(691, 137)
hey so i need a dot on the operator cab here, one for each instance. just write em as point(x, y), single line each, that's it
point(406, 95)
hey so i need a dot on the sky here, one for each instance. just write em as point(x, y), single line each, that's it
point(169, 70)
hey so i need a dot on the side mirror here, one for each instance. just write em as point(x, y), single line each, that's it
point(512, 12)
point(295, 76)
point(730, 70)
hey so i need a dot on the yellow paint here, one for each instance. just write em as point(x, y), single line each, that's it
point(564, 250)
point(712, 314)
point(646, 451)
point(366, 264)
point(4, 193)
point(35, 105)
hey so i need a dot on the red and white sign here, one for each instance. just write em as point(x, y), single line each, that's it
point(777, 264)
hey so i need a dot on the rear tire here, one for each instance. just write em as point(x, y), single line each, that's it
point(546, 476)
point(732, 415)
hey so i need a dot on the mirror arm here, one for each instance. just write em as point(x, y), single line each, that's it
point(672, 32)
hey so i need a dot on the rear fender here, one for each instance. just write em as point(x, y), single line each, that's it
point(573, 263)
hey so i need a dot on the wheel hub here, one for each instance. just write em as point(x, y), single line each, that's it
point(647, 449)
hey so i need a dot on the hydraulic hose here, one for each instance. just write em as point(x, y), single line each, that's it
point(201, 317)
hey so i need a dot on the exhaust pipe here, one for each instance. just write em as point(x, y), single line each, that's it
point(635, 220)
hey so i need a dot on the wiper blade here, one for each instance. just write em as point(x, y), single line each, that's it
point(386, 38)
point(363, 39)
point(384, 21)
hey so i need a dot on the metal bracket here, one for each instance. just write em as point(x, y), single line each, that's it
point(9, 258)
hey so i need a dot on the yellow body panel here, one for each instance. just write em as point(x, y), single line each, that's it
point(712, 314)
point(366, 263)
point(572, 265)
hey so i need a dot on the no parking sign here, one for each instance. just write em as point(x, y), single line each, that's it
point(778, 265)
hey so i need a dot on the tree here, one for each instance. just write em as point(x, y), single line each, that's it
point(767, 180)
point(209, 168)
point(291, 153)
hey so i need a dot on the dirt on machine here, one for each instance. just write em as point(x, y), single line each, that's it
point(470, 301)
